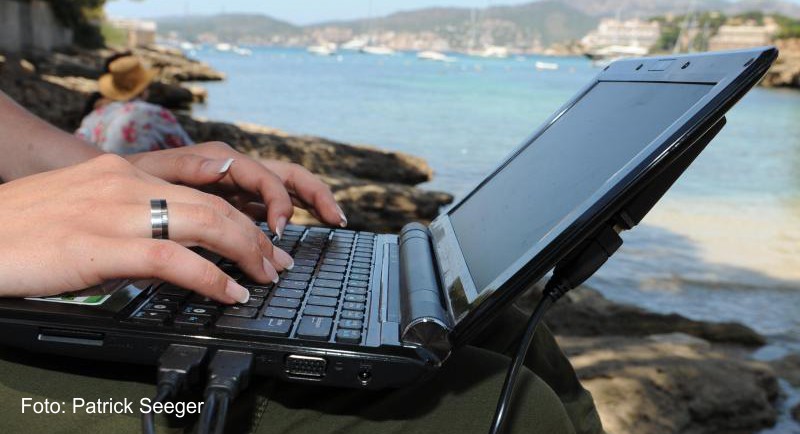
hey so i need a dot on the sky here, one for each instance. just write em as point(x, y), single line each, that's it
point(297, 12)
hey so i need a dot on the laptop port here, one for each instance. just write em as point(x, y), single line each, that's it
point(305, 366)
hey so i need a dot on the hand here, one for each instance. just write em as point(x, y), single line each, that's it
point(245, 182)
point(79, 226)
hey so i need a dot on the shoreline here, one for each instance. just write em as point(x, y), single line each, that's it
point(619, 351)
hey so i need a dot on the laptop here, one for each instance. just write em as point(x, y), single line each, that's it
point(370, 310)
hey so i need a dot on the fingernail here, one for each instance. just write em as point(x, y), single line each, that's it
point(270, 270)
point(280, 226)
point(237, 292)
point(342, 218)
point(283, 258)
point(225, 166)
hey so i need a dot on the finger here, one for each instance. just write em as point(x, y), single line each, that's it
point(165, 260)
point(180, 194)
point(310, 190)
point(182, 167)
point(256, 178)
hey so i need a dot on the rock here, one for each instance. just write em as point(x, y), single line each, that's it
point(651, 386)
point(585, 312)
point(173, 66)
point(796, 412)
point(319, 155)
point(786, 70)
point(788, 368)
point(27, 66)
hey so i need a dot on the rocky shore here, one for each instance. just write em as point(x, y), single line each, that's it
point(786, 71)
point(648, 372)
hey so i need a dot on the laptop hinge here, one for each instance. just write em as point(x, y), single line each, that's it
point(424, 320)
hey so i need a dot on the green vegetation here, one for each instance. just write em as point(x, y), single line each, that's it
point(113, 37)
point(789, 27)
point(81, 16)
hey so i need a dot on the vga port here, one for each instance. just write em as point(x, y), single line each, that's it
point(305, 366)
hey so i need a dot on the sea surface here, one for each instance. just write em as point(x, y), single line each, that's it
point(723, 244)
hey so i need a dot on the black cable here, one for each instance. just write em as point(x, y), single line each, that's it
point(568, 274)
point(228, 375)
point(177, 369)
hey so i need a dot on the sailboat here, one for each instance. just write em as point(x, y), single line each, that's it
point(435, 56)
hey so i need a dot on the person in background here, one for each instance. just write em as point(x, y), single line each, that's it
point(121, 121)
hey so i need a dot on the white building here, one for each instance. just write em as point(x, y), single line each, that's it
point(730, 37)
point(140, 33)
point(631, 33)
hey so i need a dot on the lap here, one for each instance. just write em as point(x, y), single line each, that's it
point(461, 397)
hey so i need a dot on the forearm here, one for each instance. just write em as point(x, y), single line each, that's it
point(30, 145)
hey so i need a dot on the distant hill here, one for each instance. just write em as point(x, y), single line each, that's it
point(649, 8)
point(525, 27)
point(228, 27)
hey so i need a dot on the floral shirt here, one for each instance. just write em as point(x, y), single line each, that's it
point(131, 127)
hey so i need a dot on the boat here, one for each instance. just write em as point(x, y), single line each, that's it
point(378, 50)
point(243, 51)
point(617, 51)
point(545, 66)
point(224, 47)
point(490, 51)
point(326, 49)
point(435, 56)
point(355, 44)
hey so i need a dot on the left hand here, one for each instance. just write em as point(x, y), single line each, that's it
point(245, 181)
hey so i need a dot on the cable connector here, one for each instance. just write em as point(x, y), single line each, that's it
point(229, 374)
point(178, 368)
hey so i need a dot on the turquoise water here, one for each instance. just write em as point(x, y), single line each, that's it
point(724, 244)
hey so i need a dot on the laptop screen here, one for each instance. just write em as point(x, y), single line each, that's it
point(555, 174)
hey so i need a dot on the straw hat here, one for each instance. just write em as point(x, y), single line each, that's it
point(126, 79)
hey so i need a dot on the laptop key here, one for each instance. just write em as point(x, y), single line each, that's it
point(331, 261)
point(292, 284)
point(302, 277)
point(355, 298)
point(289, 293)
point(199, 310)
point(265, 326)
point(161, 307)
point(356, 291)
point(322, 301)
point(333, 268)
point(328, 283)
point(358, 276)
point(325, 292)
point(241, 311)
point(280, 312)
point(330, 276)
point(167, 299)
point(192, 321)
point(319, 311)
point(357, 283)
point(350, 305)
point(291, 303)
point(351, 314)
point(305, 263)
point(351, 324)
point(149, 317)
point(348, 336)
point(253, 302)
point(303, 269)
point(340, 256)
point(173, 290)
point(314, 327)
point(258, 291)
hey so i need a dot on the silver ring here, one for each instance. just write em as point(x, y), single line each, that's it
point(159, 219)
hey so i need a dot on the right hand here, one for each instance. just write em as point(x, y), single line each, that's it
point(76, 227)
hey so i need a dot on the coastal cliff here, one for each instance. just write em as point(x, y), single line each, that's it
point(648, 372)
point(786, 70)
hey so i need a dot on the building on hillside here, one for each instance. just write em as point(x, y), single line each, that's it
point(139, 33)
point(31, 25)
point(731, 37)
point(627, 33)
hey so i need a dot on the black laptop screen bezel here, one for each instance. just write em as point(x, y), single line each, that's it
point(731, 75)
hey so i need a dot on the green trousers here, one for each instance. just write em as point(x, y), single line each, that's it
point(461, 397)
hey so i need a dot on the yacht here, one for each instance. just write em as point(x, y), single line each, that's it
point(378, 50)
point(546, 66)
point(435, 56)
point(326, 49)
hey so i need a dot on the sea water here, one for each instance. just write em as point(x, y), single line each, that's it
point(723, 244)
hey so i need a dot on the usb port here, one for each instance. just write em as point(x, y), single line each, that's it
point(305, 366)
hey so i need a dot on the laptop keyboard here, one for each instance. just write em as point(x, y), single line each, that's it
point(324, 297)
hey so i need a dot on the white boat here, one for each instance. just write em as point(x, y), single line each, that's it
point(224, 47)
point(355, 44)
point(545, 66)
point(243, 51)
point(322, 49)
point(378, 50)
point(490, 51)
point(435, 56)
